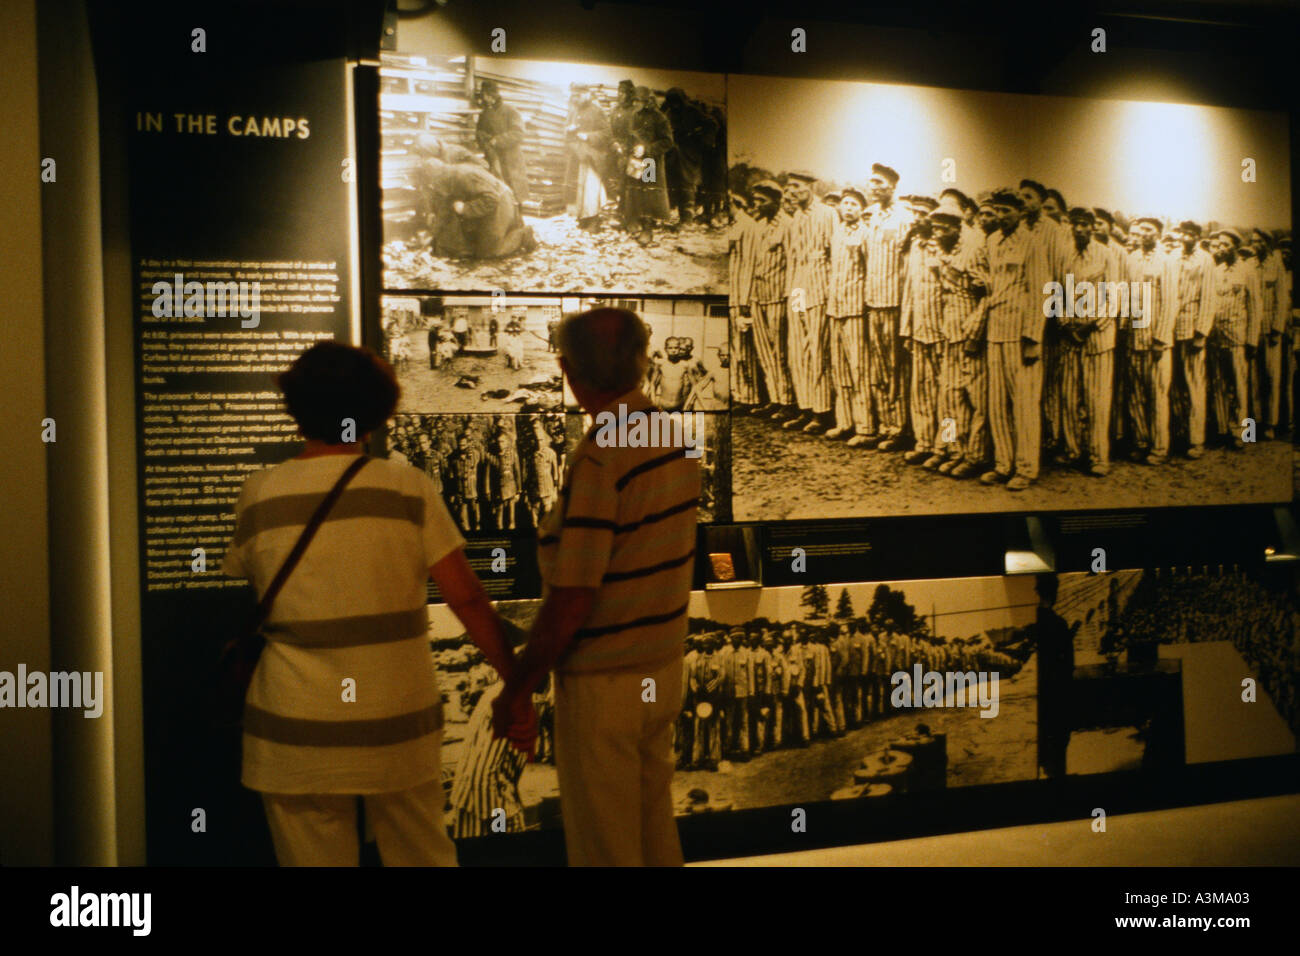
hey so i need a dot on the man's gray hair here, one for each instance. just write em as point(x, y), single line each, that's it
point(605, 348)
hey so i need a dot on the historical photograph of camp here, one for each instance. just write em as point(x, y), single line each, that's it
point(532, 176)
point(856, 691)
point(495, 472)
point(786, 699)
point(937, 307)
point(474, 353)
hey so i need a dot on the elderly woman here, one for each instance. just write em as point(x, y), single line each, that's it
point(344, 701)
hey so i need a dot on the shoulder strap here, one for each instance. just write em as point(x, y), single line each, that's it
point(317, 519)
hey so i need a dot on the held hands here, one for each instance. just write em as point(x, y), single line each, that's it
point(514, 719)
point(1030, 351)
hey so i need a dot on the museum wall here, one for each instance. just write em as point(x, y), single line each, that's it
point(628, 34)
point(26, 744)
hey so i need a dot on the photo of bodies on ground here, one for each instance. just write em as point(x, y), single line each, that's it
point(476, 353)
point(533, 176)
point(859, 691)
point(937, 307)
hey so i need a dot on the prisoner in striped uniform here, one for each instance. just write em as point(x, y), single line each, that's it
point(1088, 347)
point(1272, 325)
point(920, 328)
point(887, 223)
point(1105, 233)
point(1055, 238)
point(853, 412)
point(487, 776)
point(764, 300)
point(1151, 342)
point(1017, 274)
point(1193, 321)
point(963, 375)
point(1237, 323)
point(807, 244)
point(746, 388)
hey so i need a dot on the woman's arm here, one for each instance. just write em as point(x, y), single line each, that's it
point(464, 594)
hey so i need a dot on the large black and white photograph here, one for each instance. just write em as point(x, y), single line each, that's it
point(943, 304)
point(795, 695)
point(468, 354)
point(532, 176)
point(497, 473)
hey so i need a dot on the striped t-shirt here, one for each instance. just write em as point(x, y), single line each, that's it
point(345, 696)
point(625, 524)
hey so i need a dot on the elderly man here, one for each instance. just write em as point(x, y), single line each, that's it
point(616, 557)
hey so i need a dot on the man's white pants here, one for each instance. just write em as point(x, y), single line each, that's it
point(614, 758)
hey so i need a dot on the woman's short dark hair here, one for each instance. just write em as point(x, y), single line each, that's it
point(331, 382)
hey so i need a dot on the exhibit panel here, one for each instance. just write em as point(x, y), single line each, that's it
point(243, 243)
point(855, 692)
point(841, 415)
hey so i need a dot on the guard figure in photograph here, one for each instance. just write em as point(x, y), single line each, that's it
point(500, 134)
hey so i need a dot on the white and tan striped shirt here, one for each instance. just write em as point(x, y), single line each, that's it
point(354, 609)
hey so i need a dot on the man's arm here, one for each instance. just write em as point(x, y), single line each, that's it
point(563, 612)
